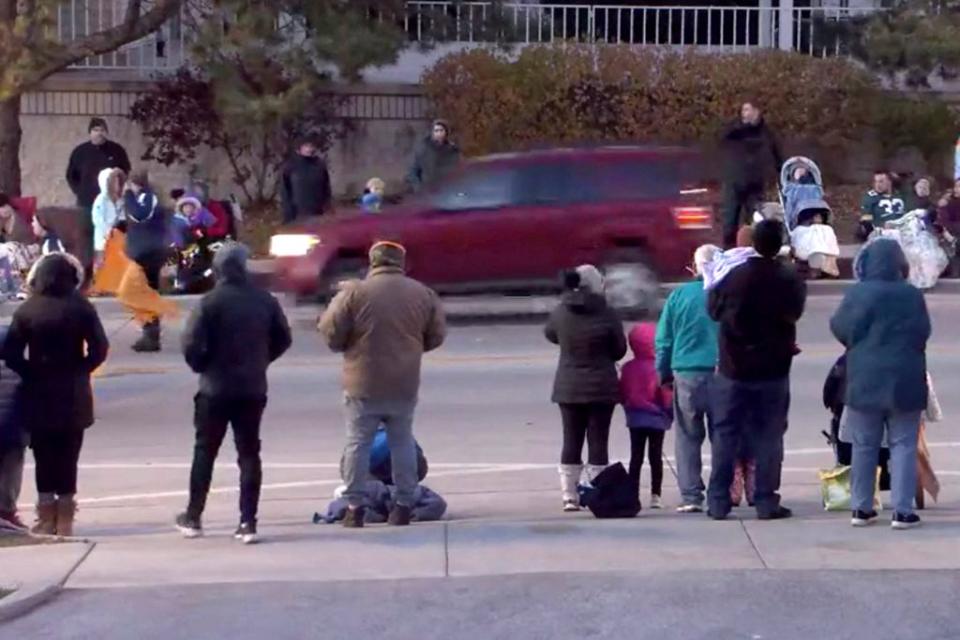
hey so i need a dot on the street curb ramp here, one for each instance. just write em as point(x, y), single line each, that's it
point(27, 596)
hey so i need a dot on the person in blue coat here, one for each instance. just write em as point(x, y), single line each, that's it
point(884, 324)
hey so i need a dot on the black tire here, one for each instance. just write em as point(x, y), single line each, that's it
point(633, 287)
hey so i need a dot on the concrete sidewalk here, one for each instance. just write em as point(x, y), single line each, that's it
point(36, 573)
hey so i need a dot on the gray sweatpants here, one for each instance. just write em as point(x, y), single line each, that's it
point(691, 411)
point(11, 478)
point(364, 417)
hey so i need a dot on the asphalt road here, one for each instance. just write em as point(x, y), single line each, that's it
point(492, 439)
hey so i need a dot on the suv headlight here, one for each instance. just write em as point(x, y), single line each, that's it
point(291, 245)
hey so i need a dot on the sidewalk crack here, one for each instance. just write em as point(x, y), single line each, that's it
point(753, 544)
point(446, 550)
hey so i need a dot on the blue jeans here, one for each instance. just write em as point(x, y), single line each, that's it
point(866, 432)
point(753, 415)
point(691, 414)
point(364, 417)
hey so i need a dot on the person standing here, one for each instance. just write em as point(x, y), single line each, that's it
point(231, 338)
point(383, 325)
point(54, 343)
point(435, 157)
point(83, 170)
point(884, 324)
point(146, 246)
point(686, 346)
point(758, 305)
point(13, 445)
point(586, 386)
point(750, 151)
point(305, 188)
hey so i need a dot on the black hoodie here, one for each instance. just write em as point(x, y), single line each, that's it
point(305, 190)
point(591, 342)
point(752, 153)
point(236, 331)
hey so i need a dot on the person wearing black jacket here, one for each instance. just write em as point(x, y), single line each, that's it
point(305, 188)
point(86, 163)
point(758, 306)
point(54, 344)
point(750, 150)
point(586, 387)
point(231, 339)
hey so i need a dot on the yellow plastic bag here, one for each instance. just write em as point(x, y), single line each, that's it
point(835, 489)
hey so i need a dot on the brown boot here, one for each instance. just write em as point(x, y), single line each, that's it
point(46, 524)
point(66, 509)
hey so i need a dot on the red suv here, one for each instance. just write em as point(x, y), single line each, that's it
point(515, 221)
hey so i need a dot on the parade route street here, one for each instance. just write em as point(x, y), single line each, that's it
point(506, 563)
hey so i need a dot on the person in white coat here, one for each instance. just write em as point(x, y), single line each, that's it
point(106, 208)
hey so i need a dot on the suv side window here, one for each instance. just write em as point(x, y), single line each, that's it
point(480, 189)
point(552, 183)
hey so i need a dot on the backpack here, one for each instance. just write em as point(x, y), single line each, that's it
point(612, 494)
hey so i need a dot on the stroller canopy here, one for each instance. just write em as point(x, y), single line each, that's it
point(791, 165)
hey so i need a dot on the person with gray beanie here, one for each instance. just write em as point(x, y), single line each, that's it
point(382, 325)
point(586, 386)
point(231, 338)
point(757, 305)
point(435, 157)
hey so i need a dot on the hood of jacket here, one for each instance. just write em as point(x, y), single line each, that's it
point(642, 341)
point(881, 260)
point(103, 181)
point(55, 274)
point(584, 301)
point(230, 263)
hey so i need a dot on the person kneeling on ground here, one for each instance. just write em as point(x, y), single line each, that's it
point(383, 325)
point(231, 339)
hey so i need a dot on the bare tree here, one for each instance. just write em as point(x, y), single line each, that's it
point(31, 51)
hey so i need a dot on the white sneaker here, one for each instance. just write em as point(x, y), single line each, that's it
point(571, 505)
point(689, 508)
point(656, 502)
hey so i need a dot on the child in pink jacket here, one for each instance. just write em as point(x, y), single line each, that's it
point(648, 406)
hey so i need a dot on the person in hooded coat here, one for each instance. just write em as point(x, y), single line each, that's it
point(54, 343)
point(884, 324)
point(305, 187)
point(231, 339)
point(435, 158)
point(586, 386)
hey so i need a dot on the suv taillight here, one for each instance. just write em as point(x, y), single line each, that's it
point(693, 217)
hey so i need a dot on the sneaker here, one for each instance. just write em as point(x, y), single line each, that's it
point(11, 521)
point(353, 518)
point(189, 527)
point(571, 505)
point(247, 532)
point(400, 516)
point(781, 513)
point(690, 508)
point(900, 521)
point(863, 518)
point(656, 502)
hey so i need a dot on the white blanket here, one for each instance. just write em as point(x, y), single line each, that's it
point(816, 238)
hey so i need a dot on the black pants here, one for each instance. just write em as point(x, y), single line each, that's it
point(737, 198)
point(57, 455)
point(152, 263)
point(756, 412)
point(590, 422)
point(211, 418)
point(638, 442)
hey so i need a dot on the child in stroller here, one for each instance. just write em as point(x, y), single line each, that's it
point(807, 217)
point(197, 233)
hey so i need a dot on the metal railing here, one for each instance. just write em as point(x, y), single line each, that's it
point(815, 31)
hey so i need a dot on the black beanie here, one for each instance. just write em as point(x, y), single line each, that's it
point(97, 122)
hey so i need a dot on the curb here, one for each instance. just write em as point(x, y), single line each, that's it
point(28, 596)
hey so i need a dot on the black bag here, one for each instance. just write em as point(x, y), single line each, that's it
point(614, 494)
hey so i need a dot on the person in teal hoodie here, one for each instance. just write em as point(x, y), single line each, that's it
point(686, 346)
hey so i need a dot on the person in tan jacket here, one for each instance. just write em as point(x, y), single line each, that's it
point(383, 325)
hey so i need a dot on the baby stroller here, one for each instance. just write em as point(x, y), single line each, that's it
point(195, 247)
point(807, 216)
point(921, 244)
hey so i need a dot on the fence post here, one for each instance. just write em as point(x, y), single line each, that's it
point(765, 35)
point(787, 18)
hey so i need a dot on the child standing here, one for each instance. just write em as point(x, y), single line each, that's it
point(648, 406)
point(372, 200)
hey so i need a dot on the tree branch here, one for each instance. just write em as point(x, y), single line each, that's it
point(136, 25)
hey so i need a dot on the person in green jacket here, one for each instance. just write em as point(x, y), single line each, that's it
point(686, 345)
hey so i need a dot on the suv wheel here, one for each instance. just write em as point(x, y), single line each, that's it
point(339, 271)
point(632, 288)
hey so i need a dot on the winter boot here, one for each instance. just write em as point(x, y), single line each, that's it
point(569, 477)
point(46, 524)
point(593, 470)
point(66, 510)
point(149, 341)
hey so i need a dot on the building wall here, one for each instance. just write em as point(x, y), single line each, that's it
point(387, 122)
